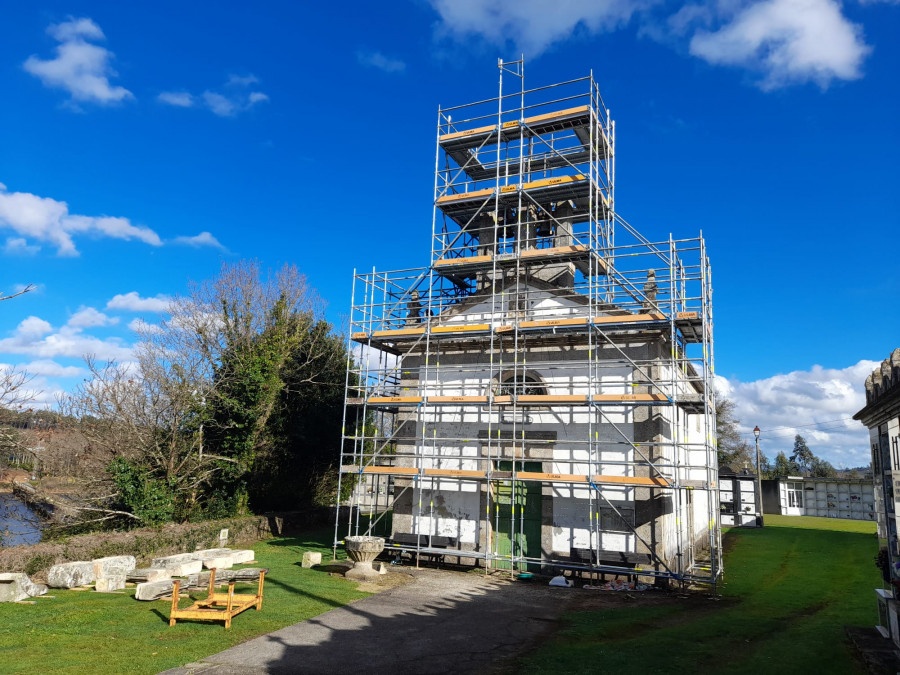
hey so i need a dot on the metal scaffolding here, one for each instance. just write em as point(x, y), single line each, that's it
point(537, 337)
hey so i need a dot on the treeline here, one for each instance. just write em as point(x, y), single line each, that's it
point(737, 453)
point(801, 462)
point(232, 405)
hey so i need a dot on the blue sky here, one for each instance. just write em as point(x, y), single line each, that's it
point(144, 143)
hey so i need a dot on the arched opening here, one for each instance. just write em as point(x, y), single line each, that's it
point(520, 384)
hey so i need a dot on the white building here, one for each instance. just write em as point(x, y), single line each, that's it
point(541, 395)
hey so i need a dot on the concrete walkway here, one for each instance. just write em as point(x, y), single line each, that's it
point(441, 622)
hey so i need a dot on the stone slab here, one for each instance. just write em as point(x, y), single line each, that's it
point(170, 561)
point(311, 558)
point(148, 574)
point(153, 590)
point(186, 568)
point(138, 574)
point(211, 553)
point(109, 584)
point(158, 575)
point(70, 575)
point(220, 563)
point(17, 586)
point(243, 556)
point(102, 566)
point(223, 576)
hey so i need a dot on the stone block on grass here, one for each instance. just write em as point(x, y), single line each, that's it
point(153, 590)
point(247, 574)
point(70, 575)
point(102, 566)
point(184, 569)
point(17, 586)
point(220, 563)
point(311, 559)
point(158, 575)
point(148, 574)
point(170, 561)
point(179, 565)
point(242, 557)
point(211, 553)
point(109, 584)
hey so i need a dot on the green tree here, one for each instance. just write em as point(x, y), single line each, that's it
point(201, 416)
point(823, 469)
point(784, 466)
point(802, 456)
point(298, 467)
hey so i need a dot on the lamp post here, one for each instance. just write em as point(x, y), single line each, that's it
point(759, 505)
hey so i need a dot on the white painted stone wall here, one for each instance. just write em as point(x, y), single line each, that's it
point(452, 507)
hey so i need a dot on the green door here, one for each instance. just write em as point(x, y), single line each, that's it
point(516, 518)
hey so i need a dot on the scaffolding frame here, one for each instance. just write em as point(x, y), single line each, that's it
point(524, 210)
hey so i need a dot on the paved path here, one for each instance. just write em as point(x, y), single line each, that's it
point(441, 622)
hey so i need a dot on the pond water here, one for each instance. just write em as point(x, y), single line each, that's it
point(18, 524)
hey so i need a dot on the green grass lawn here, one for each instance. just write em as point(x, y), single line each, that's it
point(88, 632)
point(789, 590)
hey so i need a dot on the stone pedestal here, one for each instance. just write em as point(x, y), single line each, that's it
point(362, 551)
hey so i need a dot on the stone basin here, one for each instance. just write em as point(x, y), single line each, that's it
point(362, 550)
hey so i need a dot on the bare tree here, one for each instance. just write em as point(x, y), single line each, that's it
point(29, 287)
point(193, 409)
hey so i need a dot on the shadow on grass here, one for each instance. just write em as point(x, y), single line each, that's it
point(316, 539)
point(292, 590)
point(463, 624)
point(330, 569)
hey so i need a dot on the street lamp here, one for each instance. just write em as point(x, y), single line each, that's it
point(758, 480)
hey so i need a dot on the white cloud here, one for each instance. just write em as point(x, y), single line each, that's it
point(140, 326)
point(88, 317)
point(234, 97)
point(372, 359)
point(816, 403)
point(80, 68)
point(19, 246)
point(232, 103)
point(37, 338)
point(531, 25)
point(202, 239)
point(788, 41)
point(33, 326)
point(219, 105)
point(180, 99)
point(242, 80)
point(73, 29)
point(46, 368)
point(785, 41)
point(381, 62)
point(49, 220)
point(133, 302)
